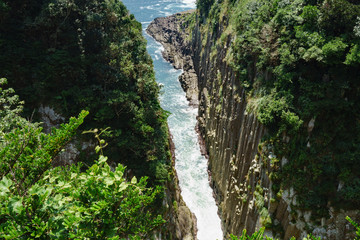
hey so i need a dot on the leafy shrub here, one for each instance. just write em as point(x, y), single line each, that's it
point(259, 235)
point(310, 15)
point(38, 201)
point(338, 16)
point(68, 203)
point(334, 51)
point(353, 57)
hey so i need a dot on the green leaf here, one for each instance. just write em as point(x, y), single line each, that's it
point(134, 180)
point(73, 176)
point(118, 176)
point(102, 159)
point(123, 186)
point(114, 238)
point(66, 186)
point(4, 186)
point(108, 181)
point(15, 205)
point(97, 149)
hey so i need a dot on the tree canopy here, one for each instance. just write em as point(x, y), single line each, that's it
point(91, 55)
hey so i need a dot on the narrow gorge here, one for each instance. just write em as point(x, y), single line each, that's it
point(180, 119)
point(190, 165)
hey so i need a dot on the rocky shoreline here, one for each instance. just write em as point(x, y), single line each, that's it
point(171, 33)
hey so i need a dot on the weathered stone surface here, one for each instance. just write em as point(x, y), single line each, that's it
point(232, 136)
point(51, 119)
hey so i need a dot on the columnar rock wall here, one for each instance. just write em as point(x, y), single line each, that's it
point(231, 134)
point(240, 174)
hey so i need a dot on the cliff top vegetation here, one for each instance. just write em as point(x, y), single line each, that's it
point(75, 55)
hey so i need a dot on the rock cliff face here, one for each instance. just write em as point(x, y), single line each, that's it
point(232, 136)
point(51, 119)
point(240, 173)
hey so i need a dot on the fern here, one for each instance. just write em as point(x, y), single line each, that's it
point(356, 226)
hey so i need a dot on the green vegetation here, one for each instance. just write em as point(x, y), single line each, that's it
point(75, 55)
point(265, 219)
point(204, 6)
point(91, 55)
point(38, 201)
point(259, 235)
point(356, 226)
point(299, 63)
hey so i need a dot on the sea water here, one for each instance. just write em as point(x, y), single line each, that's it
point(190, 165)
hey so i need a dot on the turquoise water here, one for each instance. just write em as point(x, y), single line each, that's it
point(191, 167)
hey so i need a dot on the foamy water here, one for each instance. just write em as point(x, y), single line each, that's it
point(191, 167)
